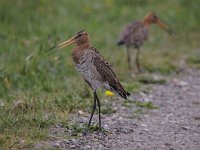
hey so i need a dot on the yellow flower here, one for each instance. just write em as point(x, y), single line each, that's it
point(109, 93)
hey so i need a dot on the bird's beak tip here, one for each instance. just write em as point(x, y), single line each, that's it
point(50, 49)
point(166, 28)
point(61, 45)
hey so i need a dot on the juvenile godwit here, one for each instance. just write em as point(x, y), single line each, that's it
point(136, 33)
point(95, 70)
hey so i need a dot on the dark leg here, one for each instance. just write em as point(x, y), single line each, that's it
point(99, 105)
point(137, 60)
point(94, 107)
point(128, 58)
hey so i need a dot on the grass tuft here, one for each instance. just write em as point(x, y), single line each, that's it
point(194, 60)
point(147, 105)
point(150, 80)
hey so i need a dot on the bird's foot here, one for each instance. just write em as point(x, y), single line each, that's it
point(89, 130)
point(140, 70)
point(130, 70)
point(131, 73)
point(102, 131)
point(86, 132)
point(95, 129)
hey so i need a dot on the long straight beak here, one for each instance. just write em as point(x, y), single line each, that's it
point(61, 45)
point(165, 27)
point(161, 24)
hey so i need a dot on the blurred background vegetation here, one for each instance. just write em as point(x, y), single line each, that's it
point(37, 91)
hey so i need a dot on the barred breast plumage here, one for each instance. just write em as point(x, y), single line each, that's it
point(88, 70)
point(97, 71)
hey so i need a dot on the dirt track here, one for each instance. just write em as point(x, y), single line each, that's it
point(175, 125)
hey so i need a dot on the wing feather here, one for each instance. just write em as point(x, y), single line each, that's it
point(107, 74)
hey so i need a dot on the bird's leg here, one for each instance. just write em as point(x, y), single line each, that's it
point(137, 60)
point(99, 105)
point(128, 58)
point(94, 107)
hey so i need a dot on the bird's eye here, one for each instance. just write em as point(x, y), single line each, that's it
point(78, 35)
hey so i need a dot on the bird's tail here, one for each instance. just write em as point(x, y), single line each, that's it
point(120, 42)
point(120, 90)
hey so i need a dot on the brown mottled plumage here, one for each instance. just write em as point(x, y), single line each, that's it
point(95, 70)
point(136, 33)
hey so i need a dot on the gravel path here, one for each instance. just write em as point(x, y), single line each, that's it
point(175, 125)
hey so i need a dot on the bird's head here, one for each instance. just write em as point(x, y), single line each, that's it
point(151, 17)
point(79, 38)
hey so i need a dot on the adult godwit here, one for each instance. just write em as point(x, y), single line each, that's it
point(136, 33)
point(95, 70)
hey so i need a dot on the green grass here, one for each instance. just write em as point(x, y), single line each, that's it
point(150, 80)
point(141, 107)
point(38, 91)
point(147, 105)
point(194, 61)
point(1, 74)
point(107, 110)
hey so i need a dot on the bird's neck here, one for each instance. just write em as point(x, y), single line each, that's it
point(82, 46)
point(78, 51)
point(146, 22)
